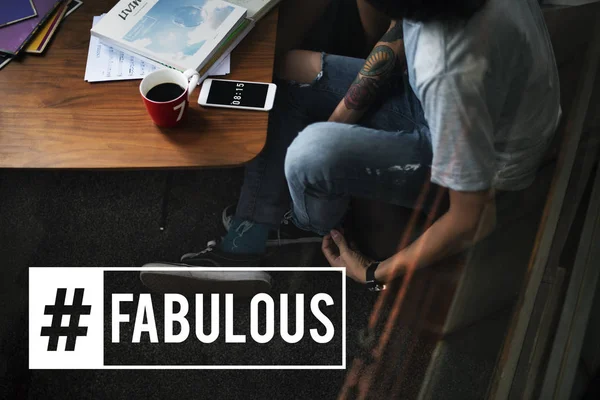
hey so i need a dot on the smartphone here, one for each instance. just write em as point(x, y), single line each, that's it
point(237, 94)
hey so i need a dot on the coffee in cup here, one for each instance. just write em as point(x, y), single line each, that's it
point(166, 94)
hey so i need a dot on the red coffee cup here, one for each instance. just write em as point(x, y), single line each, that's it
point(166, 94)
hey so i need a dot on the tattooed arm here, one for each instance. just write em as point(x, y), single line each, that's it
point(375, 73)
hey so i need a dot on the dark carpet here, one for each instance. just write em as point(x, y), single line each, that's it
point(104, 219)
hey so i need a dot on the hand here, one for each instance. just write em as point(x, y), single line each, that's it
point(339, 254)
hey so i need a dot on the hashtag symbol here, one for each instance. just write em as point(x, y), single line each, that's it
point(58, 310)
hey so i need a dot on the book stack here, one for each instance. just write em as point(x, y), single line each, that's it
point(180, 34)
point(26, 26)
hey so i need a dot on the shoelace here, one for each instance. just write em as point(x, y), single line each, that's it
point(210, 246)
point(287, 218)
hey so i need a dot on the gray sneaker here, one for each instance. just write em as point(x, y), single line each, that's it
point(189, 282)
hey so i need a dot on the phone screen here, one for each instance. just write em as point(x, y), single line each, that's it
point(232, 93)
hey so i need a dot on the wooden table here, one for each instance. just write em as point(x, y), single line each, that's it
point(51, 118)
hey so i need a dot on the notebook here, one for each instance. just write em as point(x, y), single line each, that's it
point(14, 37)
point(42, 37)
point(12, 11)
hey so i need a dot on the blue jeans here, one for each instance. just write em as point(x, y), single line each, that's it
point(322, 165)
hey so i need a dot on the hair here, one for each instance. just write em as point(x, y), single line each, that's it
point(428, 10)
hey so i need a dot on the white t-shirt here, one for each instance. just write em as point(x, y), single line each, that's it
point(490, 92)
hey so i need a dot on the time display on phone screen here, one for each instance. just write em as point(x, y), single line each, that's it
point(232, 93)
point(237, 96)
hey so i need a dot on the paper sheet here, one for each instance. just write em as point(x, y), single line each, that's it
point(111, 63)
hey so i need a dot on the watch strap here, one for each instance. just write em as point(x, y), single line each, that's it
point(373, 284)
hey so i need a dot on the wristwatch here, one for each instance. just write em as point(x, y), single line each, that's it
point(373, 284)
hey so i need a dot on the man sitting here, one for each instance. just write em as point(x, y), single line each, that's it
point(458, 94)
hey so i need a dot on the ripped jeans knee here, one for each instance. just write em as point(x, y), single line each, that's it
point(315, 80)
